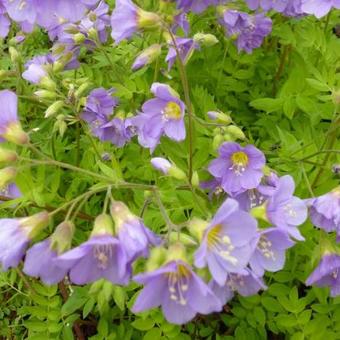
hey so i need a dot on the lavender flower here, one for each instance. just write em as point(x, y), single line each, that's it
point(285, 210)
point(40, 259)
point(270, 251)
point(127, 19)
point(325, 211)
point(102, 256)
point(246, 284)
point(161, 115)
point(250, 30)
point(21, 10)
point(287, 7)
point(181, 293)
point(15, 235)
point(10, 128)
point(326, 274)
point(5, 23)
point(134, 236)
point(147, 56)
point(319, 8)
point(11, 191)
point(197, 6)
point(226, 247)
point(238, 168)
point(185, 47)
point(161, 164)
point(36, 68)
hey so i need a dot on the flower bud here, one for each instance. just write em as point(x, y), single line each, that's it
point(79, 38)
point(195, 181)
point(35, 223)
point(59, 65)
point(7, 175)
point(168, 168)
point(220, 117)
point(81, 89)
point(197, 227)
point(147, 20)
point(45, 94)
point(147, 56)
point(235, 132)
point(14, 55)
point(93, 34)
point(206, 40)
point(54, 108)
point(217, 141)
point(47, 83)
point(15, 134)
point(102, 225)
point(61, 239)
point(7, 156)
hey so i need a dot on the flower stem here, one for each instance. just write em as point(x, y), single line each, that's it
point(186, 90)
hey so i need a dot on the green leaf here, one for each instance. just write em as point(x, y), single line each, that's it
point(88, 307)
point(267, 104)
point(153, 334)
point(318, 85)
point(143, 324)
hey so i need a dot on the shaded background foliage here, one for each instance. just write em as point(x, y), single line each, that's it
point(281, 95)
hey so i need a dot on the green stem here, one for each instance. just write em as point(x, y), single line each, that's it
point(186, 90)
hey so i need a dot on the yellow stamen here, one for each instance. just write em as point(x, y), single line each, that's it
point(172, 111)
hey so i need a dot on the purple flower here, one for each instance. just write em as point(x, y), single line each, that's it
point(246, 284)
point(256, 197)
point(5, 23)
point(102, 256)
point(147, 56)
point(226, 247)
point(249, 29)
point(287, 7)
point(214, 186)
point(284, 210)
point(238, 168)
point(10, 128)
point(11, 191)
point(39, 262)
point(161, 115)
point(197, 6)
point(326, 274)
point(325, 211)
point(181, 21)
point(161, 164)
point(40, 259)
point(117, 132)
point(36, 68)
point(185, 47)
point(21, 10)
point(270, 251)
point(181, 293)
point(15, 235)
point(127, 19)
point(319, 7)
point(134, 236)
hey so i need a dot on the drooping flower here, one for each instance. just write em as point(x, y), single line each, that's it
point(228, 242)
point(246, 284)
point(326, 274)
point(161, 164)
point(178, 290)
point(36, 68)
point(10, 128)
point(239, 168)
point(40, 259)
point(270, 251)
point(11, 191)
point(325, 211)
point(250, 30)
point(127, 19)
point(258, 196)
point(197, 6)
point(147, 56)
point(161, 115)
point(286, 7)
point(15, 235)
point(102, 256)
point(134, 236)
point(319, 8)
point(185, 48)
point(284, 210)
